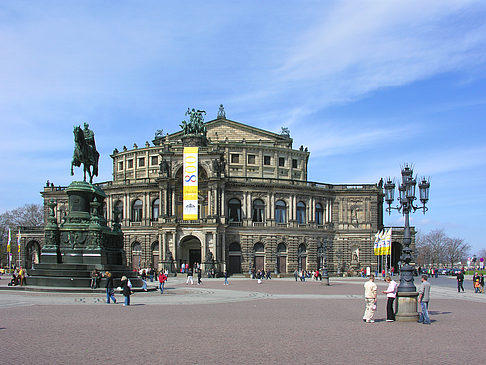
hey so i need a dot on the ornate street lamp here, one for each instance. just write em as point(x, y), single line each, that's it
point(406, 205)
point(322, 254)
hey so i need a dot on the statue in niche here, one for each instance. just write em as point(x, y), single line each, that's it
point(219, 165)
point(165, 168)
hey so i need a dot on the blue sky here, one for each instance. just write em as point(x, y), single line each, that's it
point(366, 85)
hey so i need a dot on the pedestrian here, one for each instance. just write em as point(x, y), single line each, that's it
point(110, 291)
point(162, 280)
point(370, 300)
point(144, 280)
point(423, 300)
point(21, 275)
point(226, 277)
point(199, 274)
point(296, 274)
point(391, 294)
point(460, 281)
point(481, 283)
point(94, 275)
point(189, 277)
point(126, 290)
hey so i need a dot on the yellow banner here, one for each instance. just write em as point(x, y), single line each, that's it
point(190, 180)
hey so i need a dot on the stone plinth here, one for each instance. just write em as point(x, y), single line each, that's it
point(406, 307)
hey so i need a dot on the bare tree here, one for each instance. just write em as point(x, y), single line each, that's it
point(30, 215)
point(455, 250)
point(435, 241)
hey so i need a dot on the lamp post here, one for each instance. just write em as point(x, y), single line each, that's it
point(322, 254)
point(407, 293)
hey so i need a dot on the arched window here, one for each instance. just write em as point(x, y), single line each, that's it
point(258, 210)
point(234, 210)
point(300, 213)
point(136, 255)
point(235, 247)
point(137, 208)
point(302, 257)
point(302, 249)
point(259, 248)
point(281, 248)
point(119, 208)
point(155, 209)
point(280, 212)
point(319, 214)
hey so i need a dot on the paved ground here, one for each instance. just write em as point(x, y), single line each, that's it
point(279, 321)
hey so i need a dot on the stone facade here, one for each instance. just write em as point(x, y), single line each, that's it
point(256, 207)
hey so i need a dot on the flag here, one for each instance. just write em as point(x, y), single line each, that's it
point(18, 240)
point(381, 244)
point(8, 242)
point(376, 247)
point(387, 243)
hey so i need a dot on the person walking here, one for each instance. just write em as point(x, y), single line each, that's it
point(189, 277)
point(391, 294)
point(296, 274)
point(110, 291)
point(94, 276)
point(226, 277)
point(126, 290)
point(370, 299)
point(423, 300)
point(199, 275)
point(460, 281)
point(162, 280)
point(481, 283)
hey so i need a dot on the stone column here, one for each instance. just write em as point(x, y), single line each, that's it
point(173, 208)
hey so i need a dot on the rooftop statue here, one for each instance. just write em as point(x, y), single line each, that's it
point(221, 112)
point(196, 122)
point(285, 132)
point(85, 152)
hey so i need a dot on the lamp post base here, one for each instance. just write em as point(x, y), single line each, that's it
point(406, 307)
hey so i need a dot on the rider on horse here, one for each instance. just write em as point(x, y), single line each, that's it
point(85, 152)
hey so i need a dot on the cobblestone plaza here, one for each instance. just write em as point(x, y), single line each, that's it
point(279, 321)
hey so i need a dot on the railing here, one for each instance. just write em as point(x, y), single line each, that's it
point(312, 184)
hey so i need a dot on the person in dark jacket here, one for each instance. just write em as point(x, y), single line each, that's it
point(110, 291)
point(460, 281)
point(199, 274)
point(126, 290)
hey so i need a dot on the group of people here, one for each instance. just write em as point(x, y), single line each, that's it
point(303, 274)
point(262, 274)
point(18, 277)
point(478, 281)
point(391, 293)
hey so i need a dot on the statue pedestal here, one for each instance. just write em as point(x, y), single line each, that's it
point(406, 307)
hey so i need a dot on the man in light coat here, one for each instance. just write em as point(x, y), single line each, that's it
point(370, 300)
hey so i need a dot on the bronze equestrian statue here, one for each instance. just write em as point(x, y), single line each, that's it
point(85, 152)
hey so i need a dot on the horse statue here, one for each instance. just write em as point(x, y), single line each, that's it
point(85, 152)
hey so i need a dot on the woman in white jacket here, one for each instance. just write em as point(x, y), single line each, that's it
point(391, 294)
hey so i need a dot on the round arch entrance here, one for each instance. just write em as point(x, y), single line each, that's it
point(190, 252)
point(32, 254)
